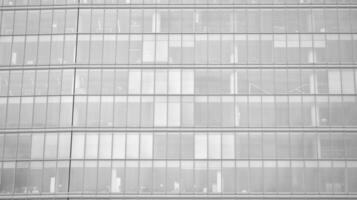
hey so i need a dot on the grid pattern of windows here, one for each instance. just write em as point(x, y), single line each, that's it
point(178, 99)
point(187, 163)
point(185, 49)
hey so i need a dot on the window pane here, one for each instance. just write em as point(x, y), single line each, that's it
point(146, 146)
point(200, 146)
point(132, 148)
point(78, 146)
point(24, 148)
point(105, 146)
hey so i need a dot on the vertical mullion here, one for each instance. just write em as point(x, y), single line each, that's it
point(73, 99)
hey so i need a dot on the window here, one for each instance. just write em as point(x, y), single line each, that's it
point(69, 49)
point(187, 177)
point(214, 49)
point(174, 112)
point(162, 43)
point(201, 177)
point(97, 21)
point(33, 19)
point(83, 49)
point(311, 177)
point(146, 177)
point(53, 111)
point(93, 111)
point(270, 174)
point(15, 83)
point(214, 146)
point(200, 146)
point(64, 145)
point(269, 145)
point(13, 116)
point(7, 178)
point(84, 21)
point(108, 49)
point(44, 49)
point(62, 176)
point(174, 82)
point(26, 111)
point(17, 55)
point(131, 184)
point(58, 21)
point(147, 82)
point(78, 146)
point(5, 50)
point(214, 177)
point(284, 176)
point(119, 146)
point(77, 172)
point(120, 111)
point(132, 148)
point(187, 145)
point(347, 82)
point(4, 82)
point(51, 146)
point(33, 181)
point(90, 176)
point(160, 145)
point(173, 177)
point(55, 82)
point(91, 149)
point(256, 176)
point(7, 22)
point(24, 146)
point(160, 115)
point(28, 82)
point(146, 146)
point(352, 176)
point(173, 146)
point(49, 177)
point(334, 82)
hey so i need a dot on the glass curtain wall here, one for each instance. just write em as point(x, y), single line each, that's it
point(178, 99)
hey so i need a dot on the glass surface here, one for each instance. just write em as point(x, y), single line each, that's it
point(223, 99)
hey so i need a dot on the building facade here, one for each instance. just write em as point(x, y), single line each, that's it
point(178, 99)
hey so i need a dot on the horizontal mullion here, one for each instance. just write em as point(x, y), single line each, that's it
point(183, 159)
point(182, 66)
point(186, 95)
point(177, 6)
point(181, 33)
point(183, 129)
point(135, 196)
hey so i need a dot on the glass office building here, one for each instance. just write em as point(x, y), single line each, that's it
point(178, 99)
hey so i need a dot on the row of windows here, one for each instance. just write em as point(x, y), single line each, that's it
point(36, 2)
point(34, 50)
point(175, 177)
point(36, 112)
point(36, 82)
point(219, 1)
point(213, 2)
point(216, 49)
point(39, 21)
point(175, 81)
point(252, 81)
point(213, 111)
point(179, 49)
point(179, 21)
point(174, 111)
point(186, 145)
point(217, 20)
